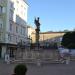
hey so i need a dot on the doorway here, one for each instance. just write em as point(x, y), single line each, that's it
point(0, 51)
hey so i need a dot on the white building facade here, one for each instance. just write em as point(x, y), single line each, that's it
point(13, 25)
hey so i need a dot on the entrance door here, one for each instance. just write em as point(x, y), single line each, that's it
point(0, 51)
point(11, 53)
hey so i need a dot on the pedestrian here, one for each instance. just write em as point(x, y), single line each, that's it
point(67, 58)
point(20, 69)
point(7, 58)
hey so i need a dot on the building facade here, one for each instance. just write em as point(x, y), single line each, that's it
point(49, 37)
point(13, 25)
point(31, 30)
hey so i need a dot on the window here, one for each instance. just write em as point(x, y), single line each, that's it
point(0, 36)
point(21, 6)
point(11, 4)
point(17, 19)
point(10, 26)
point(16, 29)
point(11, 15)
point(1, 9)
point(17, 9)
point(23, 31)
point(9, 37)
point(0, 25)
point(17, 2)
point(16, 39)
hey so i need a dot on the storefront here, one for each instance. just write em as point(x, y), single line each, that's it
point(6, 48)
point(0, 51)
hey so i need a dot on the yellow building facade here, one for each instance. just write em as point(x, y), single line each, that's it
point(48, 37)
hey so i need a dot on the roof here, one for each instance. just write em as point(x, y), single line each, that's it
point(50, 32)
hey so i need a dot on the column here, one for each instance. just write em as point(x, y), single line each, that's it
point(3, 51)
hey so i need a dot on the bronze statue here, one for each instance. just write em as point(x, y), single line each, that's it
point(37, 22)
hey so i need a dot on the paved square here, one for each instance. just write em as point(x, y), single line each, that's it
point(46, 69)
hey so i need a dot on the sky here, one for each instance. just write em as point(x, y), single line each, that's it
point(55, 15)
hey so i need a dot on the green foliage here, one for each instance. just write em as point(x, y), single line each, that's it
point(68, 40)
point(20, 69)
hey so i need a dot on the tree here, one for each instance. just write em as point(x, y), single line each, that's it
point(66, 30)
point(74, 29)
point(68, 40)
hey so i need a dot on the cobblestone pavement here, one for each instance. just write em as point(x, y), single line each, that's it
point(45, 69)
